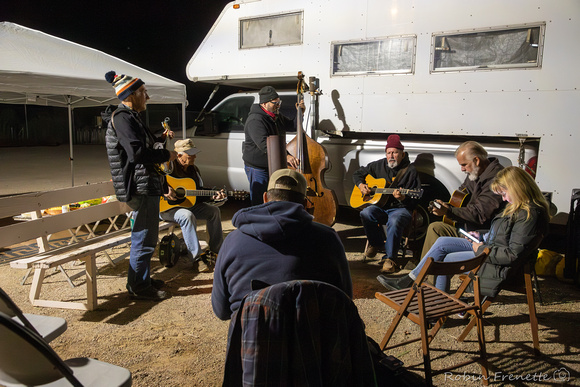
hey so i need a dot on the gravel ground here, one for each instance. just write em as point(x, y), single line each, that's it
point(179, 342)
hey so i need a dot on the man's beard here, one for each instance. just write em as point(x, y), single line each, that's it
point(393, 163)
point(473, 175)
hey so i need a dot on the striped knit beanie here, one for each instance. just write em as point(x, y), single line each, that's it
point(124, 84)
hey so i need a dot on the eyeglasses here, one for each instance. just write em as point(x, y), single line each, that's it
point(279, 102)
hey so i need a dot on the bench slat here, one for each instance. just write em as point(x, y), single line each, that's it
point(24, 231)
point(19, 204)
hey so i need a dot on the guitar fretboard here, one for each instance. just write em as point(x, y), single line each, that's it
point(200, 192)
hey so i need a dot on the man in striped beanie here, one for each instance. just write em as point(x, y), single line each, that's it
point(133, 158)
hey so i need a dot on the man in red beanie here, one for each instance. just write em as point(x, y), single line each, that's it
point(398, 172)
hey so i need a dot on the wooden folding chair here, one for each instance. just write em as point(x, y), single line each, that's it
point(531, 308)
point(423, 302)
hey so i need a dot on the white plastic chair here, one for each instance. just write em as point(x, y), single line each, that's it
point(27, 360)
point(48, 327)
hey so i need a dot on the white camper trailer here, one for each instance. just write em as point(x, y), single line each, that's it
point(501, 72)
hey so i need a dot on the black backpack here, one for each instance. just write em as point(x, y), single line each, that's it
point(170, 249)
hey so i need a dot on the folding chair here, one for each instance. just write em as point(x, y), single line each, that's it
point(297, 333)
point(487, 301)
point(27, 360)
point(47, 327)
point(423, 302)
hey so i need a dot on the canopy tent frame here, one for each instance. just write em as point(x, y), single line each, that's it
point(40, 69)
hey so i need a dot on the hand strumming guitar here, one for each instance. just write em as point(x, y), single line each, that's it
point(171, 195)
point(438, 207)
point(364, 189)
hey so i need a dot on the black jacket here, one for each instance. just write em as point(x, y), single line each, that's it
point(483, 204)
point(512, 241)
point(380, 170)
point(258, 127)
point(131, 155)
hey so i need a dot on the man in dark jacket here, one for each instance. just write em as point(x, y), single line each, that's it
point(132, 158)
point(276, 242)
point(396, 212)
point(482, 204)
point(263, 121)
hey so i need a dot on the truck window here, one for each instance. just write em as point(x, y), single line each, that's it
point(231, 115)
point(517, 47)
point(378, 56)
point(271, 30)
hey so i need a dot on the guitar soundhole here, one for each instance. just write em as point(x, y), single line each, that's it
point(180, 192)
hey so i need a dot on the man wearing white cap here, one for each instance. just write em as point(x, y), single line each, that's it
point(205, 208)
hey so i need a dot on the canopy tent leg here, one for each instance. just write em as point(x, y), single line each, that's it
point(70, 139)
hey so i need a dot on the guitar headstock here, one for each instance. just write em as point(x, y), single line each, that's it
point(165, 124)
point(239, 195)
point(415, 193)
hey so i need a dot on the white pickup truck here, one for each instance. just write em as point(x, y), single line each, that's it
point(222, 133)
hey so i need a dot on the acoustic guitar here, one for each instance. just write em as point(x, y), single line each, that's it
point(186, 192)
point(379, 193)
point(457, 200)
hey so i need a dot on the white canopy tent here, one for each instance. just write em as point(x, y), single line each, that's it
point(41, 69)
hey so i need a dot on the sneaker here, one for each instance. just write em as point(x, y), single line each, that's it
point(462, 315)
point(389, 266)
point(389, 283)
point(204, 267)
point(149, 294)
point(395, 283)
point(157, 283)
point(208, 257)
point(371, 251)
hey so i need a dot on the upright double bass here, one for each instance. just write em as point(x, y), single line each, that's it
point(313, 162)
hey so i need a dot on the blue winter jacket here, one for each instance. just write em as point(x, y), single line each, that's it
point(276, 242)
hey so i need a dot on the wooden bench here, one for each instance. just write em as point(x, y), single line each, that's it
point(41, 227)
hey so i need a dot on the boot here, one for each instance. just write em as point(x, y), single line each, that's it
point(395, 283)
point(389, 266)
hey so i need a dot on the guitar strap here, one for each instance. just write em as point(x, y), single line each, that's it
point(399, 176)
point(395, 181)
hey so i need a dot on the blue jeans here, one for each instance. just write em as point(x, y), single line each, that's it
point(396, 220)
point(446, 249)
point(187, 220)
point(258, 179)
point(144, 237)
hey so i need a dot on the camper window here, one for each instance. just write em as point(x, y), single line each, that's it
point(377, 56)
point(517, 47)
point(272, 30)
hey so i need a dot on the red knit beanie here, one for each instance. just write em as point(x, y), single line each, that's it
point(394, 141)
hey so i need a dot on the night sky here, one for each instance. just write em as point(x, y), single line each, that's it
point(160, 36)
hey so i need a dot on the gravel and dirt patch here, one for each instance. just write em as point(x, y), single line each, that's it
point(179, 342)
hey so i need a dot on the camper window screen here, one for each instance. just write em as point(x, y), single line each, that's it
point(490, 49)
point(377, 56)
point(273, 30)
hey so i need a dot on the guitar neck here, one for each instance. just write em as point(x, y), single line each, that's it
point(389, 191)
point(201, 192)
